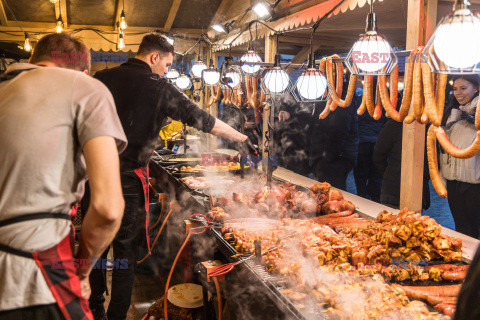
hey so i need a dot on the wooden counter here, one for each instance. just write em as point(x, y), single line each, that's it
point(364, 206)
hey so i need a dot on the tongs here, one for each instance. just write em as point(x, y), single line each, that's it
point(197, 217)
point(227, 267)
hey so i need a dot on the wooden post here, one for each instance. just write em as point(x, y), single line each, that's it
point(270, 50)
point(421, 22)
point(214, 112)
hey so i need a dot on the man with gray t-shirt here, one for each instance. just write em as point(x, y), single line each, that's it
point(56, 125)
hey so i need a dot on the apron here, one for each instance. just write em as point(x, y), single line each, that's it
point(58, 267)
point(142, 173)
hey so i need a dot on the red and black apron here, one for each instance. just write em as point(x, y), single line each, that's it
point(58, 267)
point(143, 174)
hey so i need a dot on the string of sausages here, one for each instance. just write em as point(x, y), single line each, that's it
point(423, 101)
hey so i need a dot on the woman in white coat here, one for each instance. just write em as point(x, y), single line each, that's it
point(463, 175)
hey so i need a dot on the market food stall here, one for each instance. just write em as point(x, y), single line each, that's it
point(281, 244)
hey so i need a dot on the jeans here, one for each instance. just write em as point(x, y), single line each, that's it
point(464, 202)
point(125, 246)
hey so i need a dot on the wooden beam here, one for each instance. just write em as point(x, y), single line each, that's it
point(3, 15)
point(118, 11)
point(270, 50)
point(171, 15)
point(221, 12)
point(420, 23)
point(301, 56)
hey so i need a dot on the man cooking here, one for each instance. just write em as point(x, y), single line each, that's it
point(55, 126)
point(144, 99)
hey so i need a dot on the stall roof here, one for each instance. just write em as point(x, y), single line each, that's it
point(191, 18)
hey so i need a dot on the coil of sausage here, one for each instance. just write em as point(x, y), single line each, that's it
point(452, 150)
point(433, 163)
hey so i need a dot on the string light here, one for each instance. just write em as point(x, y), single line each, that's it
point(121, 40)
point(59, 26)
point(122, 23)
point(27, 46)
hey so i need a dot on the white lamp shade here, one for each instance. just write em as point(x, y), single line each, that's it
point(276, 80)
point(219, 28)
point(371, 53)
point(251, 57)
point(457, 41)
point(311, 84)
point(211, 76)
point(172, 74)
point(170, 40)
point(197, 69)
point(183, 82)
point(235, 76)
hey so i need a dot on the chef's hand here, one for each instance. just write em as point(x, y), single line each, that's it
point(247, 147)
point(283, 116)
point(85, 287)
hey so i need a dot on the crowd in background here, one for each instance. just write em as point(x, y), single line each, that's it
point(330, 149)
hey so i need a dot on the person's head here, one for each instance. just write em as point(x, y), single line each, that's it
point(62, 50)
point(465, 88)
point(156, 52)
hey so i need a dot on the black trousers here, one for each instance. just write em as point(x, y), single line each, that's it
point(43, 312)
point(334, 172)
point(125, 246)
point(464, 202)
point(367, 179)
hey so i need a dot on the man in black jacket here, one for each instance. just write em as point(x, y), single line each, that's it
point(143, 99)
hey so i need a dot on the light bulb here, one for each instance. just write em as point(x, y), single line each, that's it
point(59, 26)
point(211, 76)
point(371, 53)
point(276, 80)
point(311, 84)
point(235, 76)
point(197, 69)
point(172, 74)
point(54, 1)
point(401, 86)
point(219, 28)
point(261, 10)
point(252, 57)
point(121, 41)
point(122, 23)
point(27, 46)
point(183, 82)
point(456, 41)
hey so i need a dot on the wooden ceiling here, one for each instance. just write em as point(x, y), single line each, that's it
point(191, 18)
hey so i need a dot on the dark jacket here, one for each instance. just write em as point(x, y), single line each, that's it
point(468, 307)
point(387, 157)
point(144, 100)
point(336, 136)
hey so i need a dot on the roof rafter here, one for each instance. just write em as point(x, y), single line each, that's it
point(3, 15)
point(171, 15)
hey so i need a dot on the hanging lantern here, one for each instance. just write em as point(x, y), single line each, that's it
point(172, 74)
point(455, 45)
point(250, 57)
point(183, 82)
point(198, 67)
point(311, 85)
point(371, 54)
point(211, 76)
point(121, 40)
point(275, 79)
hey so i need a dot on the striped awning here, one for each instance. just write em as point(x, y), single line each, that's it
point(296, 20)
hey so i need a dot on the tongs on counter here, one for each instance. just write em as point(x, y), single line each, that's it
point(227, 267)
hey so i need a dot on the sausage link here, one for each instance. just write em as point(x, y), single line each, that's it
point(452, 150)
point(433, 163)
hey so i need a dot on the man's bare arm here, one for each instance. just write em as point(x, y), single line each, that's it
point(105, 212)
point(223, 130)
